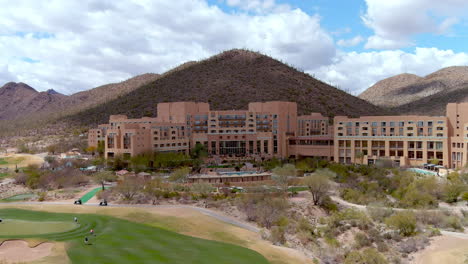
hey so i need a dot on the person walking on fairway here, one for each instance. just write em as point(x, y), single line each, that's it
point(86, 240)
point(75, 219)
point(91, 232)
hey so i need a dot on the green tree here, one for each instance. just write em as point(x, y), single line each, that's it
point(281, 175)
point(129, 187)
point(179, 175)
point(104, 176)
point(101, 147)
point(199, 151)
point(319, 184)
point(154, 189)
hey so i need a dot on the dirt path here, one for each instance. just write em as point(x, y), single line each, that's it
point(13, 251)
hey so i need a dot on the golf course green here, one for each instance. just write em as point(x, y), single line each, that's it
point(121, 241)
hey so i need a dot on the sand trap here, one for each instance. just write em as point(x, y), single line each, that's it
point(443, 249)
point(13, 251)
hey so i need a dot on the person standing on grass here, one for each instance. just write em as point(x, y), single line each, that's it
point(86, 240)
point(75, 219)
point(91, 232)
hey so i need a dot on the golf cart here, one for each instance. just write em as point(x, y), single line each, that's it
point(103, 203)
point(78, 202)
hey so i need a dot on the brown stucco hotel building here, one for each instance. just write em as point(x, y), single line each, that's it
point(273, 129)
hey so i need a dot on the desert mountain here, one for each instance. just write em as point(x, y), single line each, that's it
point(410, 94)
point(231, 80)
point(19, 100)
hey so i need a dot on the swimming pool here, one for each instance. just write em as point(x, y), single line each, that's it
point(238, 172)
point(418, 170)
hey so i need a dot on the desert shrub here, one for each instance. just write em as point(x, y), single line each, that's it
point(351, 216)
point(367, 256)
point(277, 235)
point(42, 196)
point(201, 188)
point(434, 232)
point(361, 240)
point(263, 208)
point(413, 244)
point(381, 246)
point(379, 213)
point(465, 196)
point(453, 222)
point(328, 205)
point(452, 191)
point(331, 241)
point(404, 222)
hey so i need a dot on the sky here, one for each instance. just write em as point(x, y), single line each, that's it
point(70, 46)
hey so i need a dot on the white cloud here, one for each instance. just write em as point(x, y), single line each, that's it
point(259, 6)
point(358, 71)
point(350, 42)
point(76, 45)
point(395, 22)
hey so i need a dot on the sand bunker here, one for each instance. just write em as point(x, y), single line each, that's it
point(443, 249)
point(13, 251)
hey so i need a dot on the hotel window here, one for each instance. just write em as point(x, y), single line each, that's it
point(392, 124)
point(440, 122)
point(440, 128)
point(374, 124)
point(383, 123)
point(429, 123)
point(401, 123)
point(420, 123)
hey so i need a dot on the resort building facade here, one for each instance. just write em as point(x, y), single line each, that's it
point(273, 129)
point(260, 131)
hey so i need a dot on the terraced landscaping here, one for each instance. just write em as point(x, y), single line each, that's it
point(122, 241)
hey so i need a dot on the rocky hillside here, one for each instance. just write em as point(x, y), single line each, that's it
point(410, 94)
point(379, 93)
point(19, 100)
point(231, 80)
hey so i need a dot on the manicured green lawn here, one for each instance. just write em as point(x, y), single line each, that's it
point(14, 227)
point(3, 174)
point(19, 197)
point(298, 189)
point(121, 241)
point(3, 161)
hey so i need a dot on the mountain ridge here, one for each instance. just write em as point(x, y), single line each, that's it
point(420, 95)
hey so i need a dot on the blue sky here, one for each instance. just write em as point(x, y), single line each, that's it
point(74, 45)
